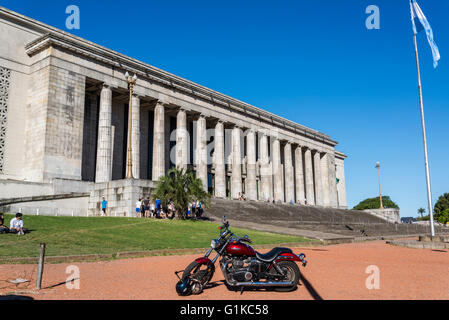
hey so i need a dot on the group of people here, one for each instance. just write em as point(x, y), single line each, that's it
point(145, 208)
point(148, 209)
point(195, 209)
point(15, 225)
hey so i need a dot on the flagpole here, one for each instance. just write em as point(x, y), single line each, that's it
point(426, 160)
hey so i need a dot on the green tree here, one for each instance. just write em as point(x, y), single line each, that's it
point(421, 211)
point(442, 204)
point(443, 216)
point(374, 203)
point(180, 187)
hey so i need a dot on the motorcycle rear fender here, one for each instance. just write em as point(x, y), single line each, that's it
point(285, 256)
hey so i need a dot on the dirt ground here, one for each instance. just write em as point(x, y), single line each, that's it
point(334, 272)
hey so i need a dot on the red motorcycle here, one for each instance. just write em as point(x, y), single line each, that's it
point(242, 266)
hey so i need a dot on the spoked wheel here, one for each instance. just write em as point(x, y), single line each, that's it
point(291, 272)
point(200, 274)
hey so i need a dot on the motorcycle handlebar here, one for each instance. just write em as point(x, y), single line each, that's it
point(227, 231)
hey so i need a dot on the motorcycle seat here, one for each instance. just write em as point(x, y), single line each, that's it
point(272, 254)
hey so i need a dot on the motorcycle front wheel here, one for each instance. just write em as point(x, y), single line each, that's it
point(201, 274)
point(291, 271)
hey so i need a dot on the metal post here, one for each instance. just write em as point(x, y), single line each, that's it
point(426, 160)
point(40, 269)
point(380, 192)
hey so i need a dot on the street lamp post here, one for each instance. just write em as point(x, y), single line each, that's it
point(380, 193)
point(129, 165)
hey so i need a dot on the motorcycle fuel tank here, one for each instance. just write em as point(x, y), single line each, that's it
point(240, 249)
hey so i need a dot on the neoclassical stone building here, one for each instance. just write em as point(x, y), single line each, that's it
point(64, 108)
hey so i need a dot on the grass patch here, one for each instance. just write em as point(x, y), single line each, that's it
point(66, 236)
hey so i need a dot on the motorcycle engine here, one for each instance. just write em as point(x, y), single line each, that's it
point(257, 267)
point(239, 270)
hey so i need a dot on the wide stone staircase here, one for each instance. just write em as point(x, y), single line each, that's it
point(327, 224)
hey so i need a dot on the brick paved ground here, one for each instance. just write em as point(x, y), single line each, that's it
point(334, 272)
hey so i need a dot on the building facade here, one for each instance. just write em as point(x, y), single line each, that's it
point(64, 111)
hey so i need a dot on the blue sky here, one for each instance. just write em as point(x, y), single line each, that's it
point(313, 62)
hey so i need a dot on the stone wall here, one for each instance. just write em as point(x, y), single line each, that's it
point(389, 214)
point(121, 196)
point(35, 124)
point(64, 125)
point(341, 184)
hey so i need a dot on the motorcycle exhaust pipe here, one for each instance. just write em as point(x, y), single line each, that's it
point(264, 284)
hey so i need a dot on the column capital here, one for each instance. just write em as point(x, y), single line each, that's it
point(162, 103)
point(105, 85)
point(181, 109)
point(251, 131)
point(214, 121)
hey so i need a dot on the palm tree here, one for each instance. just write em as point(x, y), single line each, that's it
point(421, 211)
point(180, 187)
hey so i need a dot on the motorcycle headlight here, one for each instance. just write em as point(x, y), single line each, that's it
point(214, 243)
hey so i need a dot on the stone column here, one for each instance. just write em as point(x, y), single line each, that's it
point(251, 185)
point(265, 169)
point(219, 163)
point(159, 141)
point(310, 193)
point(299, 176)
point(201, 151)
point(318, 180)
point(236, 177)
point(135, 139)
point(325, 179)
point(333, 201)
point(182, 140)
point(104, 154)
point(289, 176)
point(341, 185)
point(277, 172)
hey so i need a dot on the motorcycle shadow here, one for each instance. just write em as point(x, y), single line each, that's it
point(214, 284)
point(255, 289)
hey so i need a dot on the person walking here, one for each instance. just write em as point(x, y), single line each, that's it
point(152, 209)
point(158, 208)
point(146, 207)
point(104, 205)
point(138, 208)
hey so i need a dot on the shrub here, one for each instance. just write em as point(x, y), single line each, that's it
point(374, 203)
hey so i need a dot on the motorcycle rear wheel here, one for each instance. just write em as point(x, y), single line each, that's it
point(292, 274)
